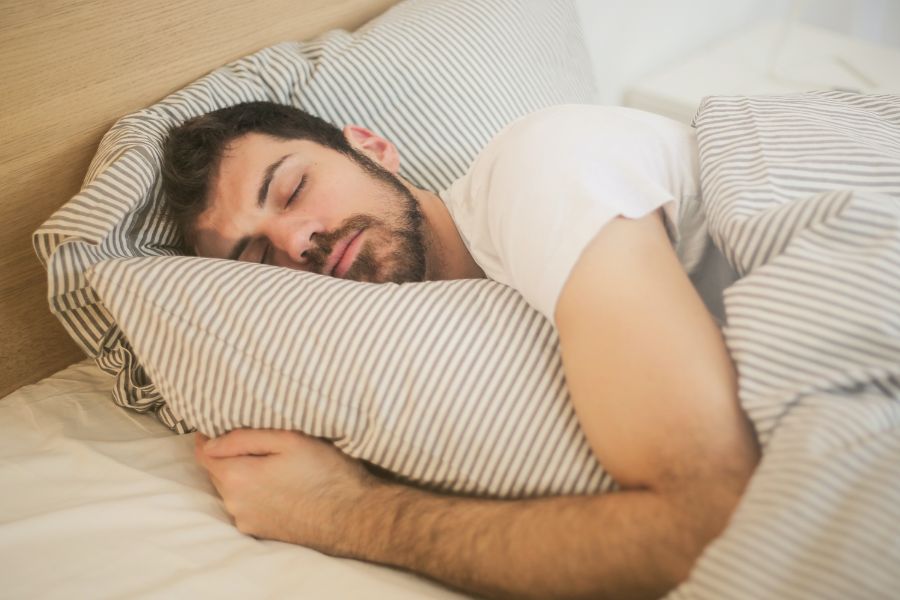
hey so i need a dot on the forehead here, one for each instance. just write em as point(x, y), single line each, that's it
point(249, 155)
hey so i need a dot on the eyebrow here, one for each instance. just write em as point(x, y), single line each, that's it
point(260, 201)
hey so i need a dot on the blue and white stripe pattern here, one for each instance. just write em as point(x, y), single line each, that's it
point(439, 78)
point(457, 385)
point(802, 195)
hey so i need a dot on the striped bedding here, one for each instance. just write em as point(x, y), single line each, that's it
point(802, 195)
point(455, 385)
point(439, 78)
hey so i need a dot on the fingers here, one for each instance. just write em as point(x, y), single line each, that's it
point(241, 442)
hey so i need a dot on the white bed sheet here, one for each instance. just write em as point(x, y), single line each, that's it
point(100, 502)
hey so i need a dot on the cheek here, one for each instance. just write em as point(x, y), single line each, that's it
point(381, 241)
point(372, 198)
point(380, 251)
point(347, 191)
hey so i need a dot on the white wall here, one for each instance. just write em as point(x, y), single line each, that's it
point(629, 39)
point(874, 20)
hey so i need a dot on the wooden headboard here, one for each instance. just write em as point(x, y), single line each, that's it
point(68, 71)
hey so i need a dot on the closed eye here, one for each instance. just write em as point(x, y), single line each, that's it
point(296, 191)
point(265, 255)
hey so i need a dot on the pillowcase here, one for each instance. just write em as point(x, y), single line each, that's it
point(456, 385)
point(439, 78)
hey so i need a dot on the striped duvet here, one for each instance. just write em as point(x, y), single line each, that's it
point(802, 195)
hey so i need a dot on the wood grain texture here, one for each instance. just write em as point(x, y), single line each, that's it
point(68, 70)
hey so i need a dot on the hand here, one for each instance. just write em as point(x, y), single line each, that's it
point(284, 485)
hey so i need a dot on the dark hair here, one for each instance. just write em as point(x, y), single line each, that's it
point(193, 151)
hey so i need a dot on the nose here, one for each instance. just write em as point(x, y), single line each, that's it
point(291, 238)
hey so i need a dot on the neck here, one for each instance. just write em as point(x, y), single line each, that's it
point(447, 255)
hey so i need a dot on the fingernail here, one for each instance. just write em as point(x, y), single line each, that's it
point(211, 444)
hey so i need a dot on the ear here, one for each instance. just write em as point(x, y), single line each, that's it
point(374, 146)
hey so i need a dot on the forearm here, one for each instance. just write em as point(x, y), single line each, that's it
point(627, 544)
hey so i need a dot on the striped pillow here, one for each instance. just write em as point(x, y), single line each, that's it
point(438, 78)
point(457, 385)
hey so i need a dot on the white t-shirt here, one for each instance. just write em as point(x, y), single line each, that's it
point(541, 190)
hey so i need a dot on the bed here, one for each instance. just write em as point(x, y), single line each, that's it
point(93, 493)
point(90, 474)
point(104, 503)
point(107, 495)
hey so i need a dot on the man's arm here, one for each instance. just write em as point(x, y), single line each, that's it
point(655, 392)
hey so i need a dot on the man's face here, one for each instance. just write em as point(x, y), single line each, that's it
point(297, 204)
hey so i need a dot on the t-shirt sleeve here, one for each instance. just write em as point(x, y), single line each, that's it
point(547, 199)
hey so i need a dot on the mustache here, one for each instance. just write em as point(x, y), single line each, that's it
point(325, 242)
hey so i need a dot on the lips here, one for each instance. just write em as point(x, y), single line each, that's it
point(337, 255)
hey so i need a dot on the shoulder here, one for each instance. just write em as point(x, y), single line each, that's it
point(582, 139)
point(544, 187)
point(586, 143)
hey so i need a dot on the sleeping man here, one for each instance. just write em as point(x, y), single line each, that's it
point(576, 208)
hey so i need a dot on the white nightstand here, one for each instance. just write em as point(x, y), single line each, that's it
point(770, 59)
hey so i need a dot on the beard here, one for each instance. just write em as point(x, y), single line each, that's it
point(394, 248)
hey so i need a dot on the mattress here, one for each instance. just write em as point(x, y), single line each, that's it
point(99, 502)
